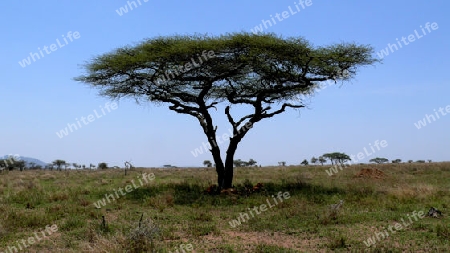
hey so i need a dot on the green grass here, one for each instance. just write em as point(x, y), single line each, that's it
point(175, 210)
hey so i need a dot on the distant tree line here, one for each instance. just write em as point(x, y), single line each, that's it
point(237, 163)
point(13, 163)
point(337, 158)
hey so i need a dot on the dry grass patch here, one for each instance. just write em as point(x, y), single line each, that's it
point(407, 191)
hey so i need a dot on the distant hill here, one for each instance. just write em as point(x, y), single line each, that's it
point(28, 160)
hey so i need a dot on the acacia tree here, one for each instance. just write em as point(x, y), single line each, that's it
point(304, 162)
point(12, 163)
point(379, 160)
point(102, 166)
point(207, 163)
point(337, 157)
point(252, 162)
point(397, 161)
point(239, 163)
point(314, 160)
point(193, 74)
point(58, 163)
point(322, 160)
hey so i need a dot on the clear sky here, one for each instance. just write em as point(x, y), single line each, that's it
point(384, 102)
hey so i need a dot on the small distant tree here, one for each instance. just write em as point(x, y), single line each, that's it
point(59, 163)
point(12, 162)
point(304, 162)
point(314, 160)
point(420, 161)
point(429, 161)
point(410, 161)
point(283, 163)
point(397, 161)
point(379, 160)
point(128, 166)
point(102, 166)
point(75, 165)
point(322, 160)
point(32, 165)
point(239, 163)
point(252, 162)
point(207, 163)
point(83, 166)
point(337, 157)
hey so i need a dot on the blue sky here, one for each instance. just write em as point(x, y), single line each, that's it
point(381, 103)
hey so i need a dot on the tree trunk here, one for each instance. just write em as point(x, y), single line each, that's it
point(229, 169)
point(215, 151)
point(219, 166)
point(228, 177)
point(224, 171)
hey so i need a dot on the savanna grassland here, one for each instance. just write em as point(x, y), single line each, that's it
point(173, 210)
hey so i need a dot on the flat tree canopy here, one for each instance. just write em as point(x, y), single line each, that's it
point(192, 74)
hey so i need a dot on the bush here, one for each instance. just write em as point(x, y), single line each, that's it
point(141, 238)
point(102, 166)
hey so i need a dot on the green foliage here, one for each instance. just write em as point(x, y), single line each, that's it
point(59, 163)
point(379, 160)
point(264, 248)
point(337, 157)
point(12, 163)
point(251, 162)
point(73, 222)
point(322, 160)
point(102, 166)
point(338, 243)
point(207, 163)
point(256, 54)
point(443, 231)
point(240, 163)
point(141, 238)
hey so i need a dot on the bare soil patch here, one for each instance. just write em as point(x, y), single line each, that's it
point(370, 173)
